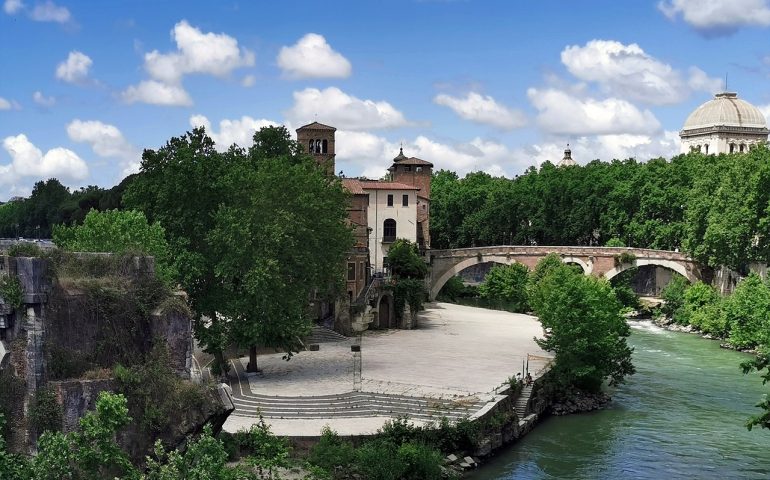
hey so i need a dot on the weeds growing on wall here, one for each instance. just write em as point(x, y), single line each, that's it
point(25, 249)
point(11, 291)
point(45, 412)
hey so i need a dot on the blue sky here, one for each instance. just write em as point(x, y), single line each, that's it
point(468, 85)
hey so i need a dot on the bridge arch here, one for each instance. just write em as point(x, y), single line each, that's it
point(462, 265)
point(641, 262)
point(588, 268)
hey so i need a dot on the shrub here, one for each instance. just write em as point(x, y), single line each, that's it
point(419, 461)
point(266, 452)
point(507, 283)
point(11, 291)
point(614, 242)
point(673, 297)
point(331, 452)
point(378, 460)
point(25, 249)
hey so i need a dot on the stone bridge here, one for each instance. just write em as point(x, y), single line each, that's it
point(598, 261)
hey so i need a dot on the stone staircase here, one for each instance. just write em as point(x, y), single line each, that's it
point(522, 400)
point(346, 405)
point(324, 335)
point(353, 405)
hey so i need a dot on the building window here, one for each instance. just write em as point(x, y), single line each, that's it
point(311, 147)
point(390, 199)
point(389, 230)
point(368, 199)
point(743, 147)
point(407, 168)
point(324, 146)
point(732, 148)
point(707, 148)
point(405, 200)
point(362, 273)
point(418, 169)
point(351, 271)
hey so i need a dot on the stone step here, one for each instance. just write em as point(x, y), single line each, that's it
point(320, 410)
point(347, 414)
point(324, 335)
point(360, 397)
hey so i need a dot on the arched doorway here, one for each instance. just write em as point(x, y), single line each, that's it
point(384, 315)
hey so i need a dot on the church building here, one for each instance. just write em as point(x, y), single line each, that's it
point(724, 124)
point(379, 212)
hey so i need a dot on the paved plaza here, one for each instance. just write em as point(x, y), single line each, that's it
point(457, 353)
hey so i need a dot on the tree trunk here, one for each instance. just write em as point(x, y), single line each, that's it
point(252, 367)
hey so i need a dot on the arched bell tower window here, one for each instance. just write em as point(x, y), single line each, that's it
point(325, 146)
point(311, 147)
point(318, 146)
point(389, 230)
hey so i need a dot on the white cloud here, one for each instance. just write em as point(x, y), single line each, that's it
point(627, 71)
point(50, 12)
point(483, 109)
point(215, 54)
point(312, 57)
point(369, 155)
point(718, 17)
point(197, 52)
point(29, 161)
point(42, 100)
point(12, 6)
point(563, 113)
point(157, 93)
point(344, 111)
point(249, 81)
point(9, 104)
point(75, 68)
point(106, 141)
point(239, 131)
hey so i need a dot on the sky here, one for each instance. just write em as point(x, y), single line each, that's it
point(469, 85)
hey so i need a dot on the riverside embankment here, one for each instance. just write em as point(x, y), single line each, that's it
point(681, 415)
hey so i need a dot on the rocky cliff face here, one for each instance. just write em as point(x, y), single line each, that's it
point(77, 317)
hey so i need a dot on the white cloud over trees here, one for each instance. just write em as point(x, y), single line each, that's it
point(335, 107)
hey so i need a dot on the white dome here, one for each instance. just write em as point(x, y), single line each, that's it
point(726, 109)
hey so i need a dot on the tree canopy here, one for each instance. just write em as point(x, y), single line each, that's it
point(254, 235)
point(583, 327)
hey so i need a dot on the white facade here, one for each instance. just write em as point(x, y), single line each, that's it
point(405, 218)
point(725, 124)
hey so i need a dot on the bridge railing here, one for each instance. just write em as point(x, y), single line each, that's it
point(562, 249)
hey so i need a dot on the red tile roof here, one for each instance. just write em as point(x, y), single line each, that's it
point(358, 187)
point(316, 126)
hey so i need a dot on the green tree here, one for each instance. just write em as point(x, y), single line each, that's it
point(673, 298)
point(507, 283)
point(748, 312)
point(408, 270)
point(584, 328)
point(118, 232)
point(253, 235)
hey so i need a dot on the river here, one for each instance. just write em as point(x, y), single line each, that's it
point(681, 415)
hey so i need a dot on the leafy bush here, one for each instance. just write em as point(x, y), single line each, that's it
point(452, 290)
point(673, 297)
point(266, 452)
point(155, 393)
point(420, 462)
point(25, 249)
point(11, 291)
point(378, 460)
point(331, 452)
point(748, 313)
point(614, 242)
point(507, 283)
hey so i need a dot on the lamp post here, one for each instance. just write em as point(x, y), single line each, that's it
point(356, 350)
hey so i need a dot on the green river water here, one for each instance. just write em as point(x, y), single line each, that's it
point(681, 415)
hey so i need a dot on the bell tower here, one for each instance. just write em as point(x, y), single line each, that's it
point(317, 140)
